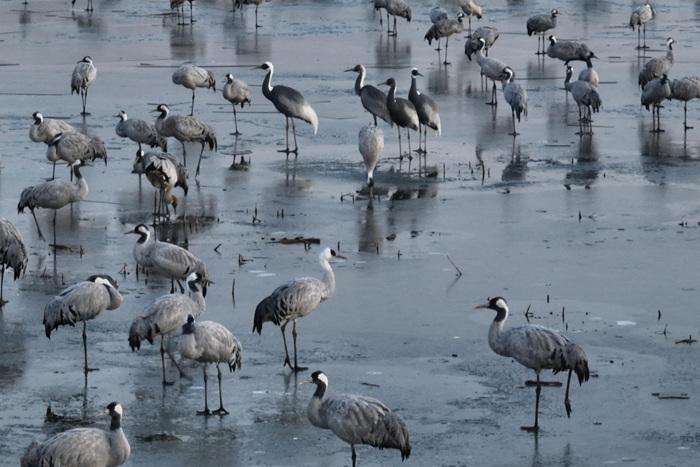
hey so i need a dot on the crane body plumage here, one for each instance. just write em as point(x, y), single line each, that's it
point(139, 131)
point(472, 45)
point(657, 67)
point(237, 93)
point(73, 147)
point(684, 90)
point(43, 130)
point(13, 253)
point(193, 77)
point(427, 110)
point(371, 146)
point(516, 96)
point(84, 74)
point(373, 99)
point(568, 51)
point(540, 24)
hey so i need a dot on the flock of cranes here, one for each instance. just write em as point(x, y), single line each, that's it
point(354, 419)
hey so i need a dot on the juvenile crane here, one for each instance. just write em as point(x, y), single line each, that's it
point(471, 8)
point(290, 103)
point(13, 253)
point(209, 342)
point(685, 89)
point(438, 14)
point(516, 96)
point(82, 302)
point(373, 99)
point(237, 93)
point(295, 300)
point(43, 130)
point(659, 66)
point(472, 44)
point(193, 77)
point(538, 348)
point(655, 92)
point(84, 75)
point(540, 24)
point(403, 113)
point(82, 447)
point(371, 145)
point(357, 419)
point(139, 131)
point(165, 318)
point(639, 18)
point(396, 8)
point(72, 147)
point(53, 194)
point(427, 110)
point(568, 51)
point(444, 28)
point(185, 130)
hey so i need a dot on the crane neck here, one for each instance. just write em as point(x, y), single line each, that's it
point(198, 297)
point(328, 277)
point(267, 84)
point(496, 332)
point(413, 92)
point(360, 81)
point(391, 95)
point(116, 423)
point(314, 409)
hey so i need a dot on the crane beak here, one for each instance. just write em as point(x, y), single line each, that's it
point(116, 115)
point(383, 83)
point(259, 67)
point(484, 306)
point(420, 74)
point(349, 69)
point(337, 256)
point(306, 381)
point(130, 232)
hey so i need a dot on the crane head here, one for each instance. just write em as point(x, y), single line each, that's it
point(318, 378)
point(555, 12)
point(552, 39)
point(188, 327)
point(356, 69)
point(121, 115)
point(38, 118)
point(497, 304)
point(114, 409)
point(415, 72)
point(103, 279)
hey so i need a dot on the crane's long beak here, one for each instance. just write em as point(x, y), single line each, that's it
point(483, 306)
point(130, 232)
point(340, 256)
point(349, 69)
point(419, 73)
point(259, 67)
point(116, 115)
point(383, 83)
point(306, 381)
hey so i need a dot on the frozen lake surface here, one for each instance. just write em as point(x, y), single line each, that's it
point(606, 227)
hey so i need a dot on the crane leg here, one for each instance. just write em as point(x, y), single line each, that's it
point(256, 17)
point(2, 286)
point(206, 411)
point(438, 48)
point(493, 95)
point(447, 41)
point(294, 132)
point(286, 135)
point(287, 361)
point(538, 390)
point(196, 173)
point(162, 363)
point(567, 402)
point(53, 172)
point(191, 18)
point(425, 140)
point(86, 369)
point(297, 368)
point(514, 133)
point(644, 46)
point(400, 153)
point(221, 410)
point(235, 121)
point(375, 119)
point(41, 236)
point(354, 455)
point(685, 117)
point(184, 154)
point(408, 134)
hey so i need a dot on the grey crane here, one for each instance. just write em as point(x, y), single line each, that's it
point(427, 110)
point(165, 318)
point(396, 8)
point(540, 24)
point(186, 130)
point(209, 342)
point(685, 89)
point(659, 66)
point(438, 14)
point(139, 131)
point(168, 260)
point(54, 194)
point(165, 173)
point(290, 103)
point(357, 419)
point(84, 75)
point(444, 28)
point(538, 348)
point(568, 51)
point(142, 248)
point(82, 302)
point(491, 68)
point(403, 113)
point(372, 98)
point(471, 8)
point(586, 96)
point(378, 5)
point(472, 44)
point(72, 147)
point(655, 92)
point(237, 93)
point(294, 300)
point(193, 77)
point(640, 17)
point(83, 447)
point(43, 130)
point(257, 3)
point(87, 8)
point(13, 253)
point(516, 96)
point(371, 146)
point(589, 74)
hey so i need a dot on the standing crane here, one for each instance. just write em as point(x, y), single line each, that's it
point(427, 110)
point(371, 145)
point(84, 74)
point(538, 348)
point(237, 93)
point(655, 92)
point(139, 131)
point(43, 130)
point(516, 96)
point(568, 51)
point(491, 68)
point(444, 28)
point(471, 8)
point(540, 24)
point(372, 98)
point(397, 8)
point(639, 18)
point(13, 253)
point(193, 77)
point(403, 113)
point(685, 89)
point(659, 66)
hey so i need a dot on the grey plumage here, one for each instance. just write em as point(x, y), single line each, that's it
point(372, 98)
point(568, 51)
point(589, 74)
point(437, 14)
point(83, 447)
point(54, 194)
point(538, 348)
point(13, 253)
point(193, 77)
point(43, 130)
point(73, 147)
point(169, 260)
point(371, 146)
point(185, 130)
point(295, 300)
point(357, 419)
point(290, 103)
point(657, 67)
point(540, 24)
point(640, 17)
point(82, 302)
point(516, 96)
point(586, 96)
point(84, 74)
point(472, 44)
point(444, 28)
point(139, 131)
point(471, 8)
point(427, 110)
point(164, 172)
point(655, 92)
point(492, 68)
point(209, 342)
point(165, 318)
point(685, 89)
point(88, 6)
point(397, 8)
point(237, 93)
point(378, 5)
point(402, 112)
point(142, 247)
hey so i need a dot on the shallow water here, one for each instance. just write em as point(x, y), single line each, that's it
point(400, 326)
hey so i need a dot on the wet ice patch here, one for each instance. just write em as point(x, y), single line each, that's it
point(626, 323)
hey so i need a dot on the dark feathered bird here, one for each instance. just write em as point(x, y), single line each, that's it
point(13, 253)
